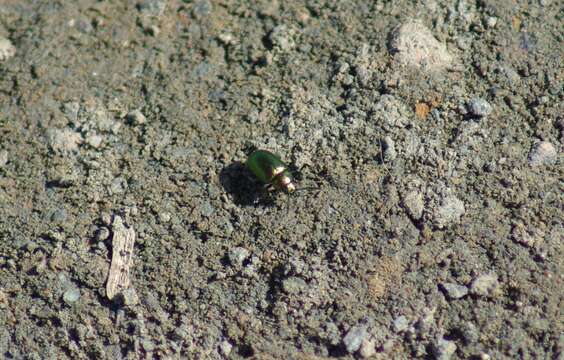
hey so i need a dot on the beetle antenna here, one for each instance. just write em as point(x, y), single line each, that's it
point(308, 188)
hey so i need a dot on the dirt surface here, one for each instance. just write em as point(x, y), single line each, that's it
point(427, 137)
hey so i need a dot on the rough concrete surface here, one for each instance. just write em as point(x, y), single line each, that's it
point(426, 138)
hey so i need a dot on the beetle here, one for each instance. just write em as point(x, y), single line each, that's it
point(269, 169)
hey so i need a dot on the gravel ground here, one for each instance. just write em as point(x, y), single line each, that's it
point(427, 138)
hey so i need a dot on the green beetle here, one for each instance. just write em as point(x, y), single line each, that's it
point(269, 169)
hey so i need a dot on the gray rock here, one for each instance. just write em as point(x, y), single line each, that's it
point(479, 107)
point(454, 291)
point(59, 215)
point(225, 348)
point(63, 140)
point(70, 109)
point(207, 209)
point(413, 44)
point(202, 8)
point(71, 295)
point(147, 344)
point(469, 332)
point(130, 297)
point(282, 37)
point(354, 337)
point(136, 117)
point(484, 285)
point(7, 50)
point(94, 140)
point(449, 212)
point(389, 146)
point(491, 22)
point(413, 203)
point(237, 255)
point(542, 153)
point(294, 285)
point(367, 348)
point(84, 26)
point(3, 158)
point(152, 7)
point(443, 349)
point(391, 112)
point(400, 324)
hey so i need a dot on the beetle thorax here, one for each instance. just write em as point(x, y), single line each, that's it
point(284, 182)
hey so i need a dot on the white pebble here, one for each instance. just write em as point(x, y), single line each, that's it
point(391, 112)
point(542, 153)
point(3, 158)
point(136, 117)
point(454, 291)
point(479, 107)
point(400, 324)
point(415, 45)
point(413, 202)
point(63, 140)
point(353, 339)
point(94, 140)
point(449, 212)
point(484, 285)
point(7, 50)
point(443, 349)
point(491, 22)
point(283, 38)
point(237, 255)
point(368, 348)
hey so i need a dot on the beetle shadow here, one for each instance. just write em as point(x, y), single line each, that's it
point(238, 182)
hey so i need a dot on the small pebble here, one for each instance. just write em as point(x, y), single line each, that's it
point(71, 110)
point(63, 140)
point(470, 332)
point(225, 348)
point(136, 117)
point(282, 38)
point(479, 107)
point(147, 345)
point(71, 295)
point(84, 26)
point(130, 297)
point(413, 203)
point(491, 22)
point(152, 7)
point(94, 141)
point(400, 324)
point(7, 50)
point(367, 348)
point(443, 349)
point(449, 212)
point(454, 291)
point(164, 216)
point(414, 45)
point(542, 153)
point(484, 285)
point(3, 158)
point(202, 8)
point(354, 337)
point(59, 215)
point(390, 152)
point(294, 285)
point(207, 209)
point(237, 255)
point(527, 236)
point(391, 112)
